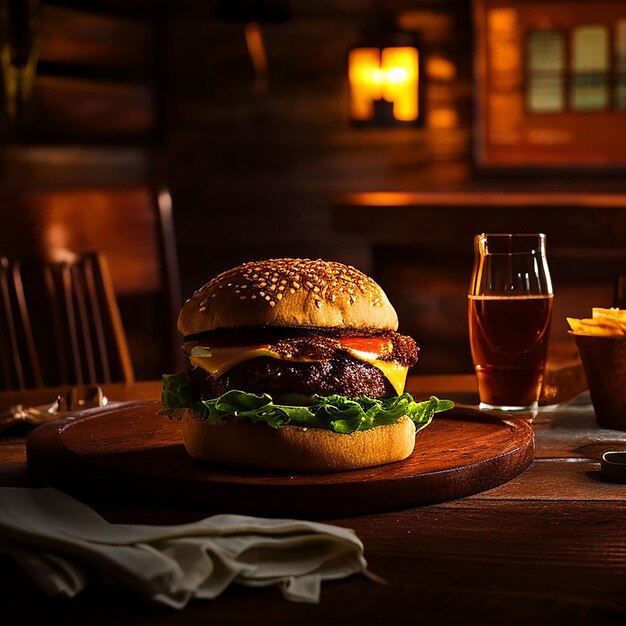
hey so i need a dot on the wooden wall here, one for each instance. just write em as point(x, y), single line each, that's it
point(253, 173)
point(129, 92)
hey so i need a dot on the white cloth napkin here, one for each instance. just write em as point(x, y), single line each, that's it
point(59, 542)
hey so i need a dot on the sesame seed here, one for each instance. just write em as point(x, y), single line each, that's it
point(271, 278)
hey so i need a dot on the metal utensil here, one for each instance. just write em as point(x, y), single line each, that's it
point(74, 398)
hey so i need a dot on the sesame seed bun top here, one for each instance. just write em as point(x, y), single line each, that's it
point(288, 292)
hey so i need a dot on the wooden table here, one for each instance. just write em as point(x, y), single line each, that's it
point(548, 547)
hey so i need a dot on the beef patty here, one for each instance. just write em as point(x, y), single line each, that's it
point(341, 375)
point(331, 369)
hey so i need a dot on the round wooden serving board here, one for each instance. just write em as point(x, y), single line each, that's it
point(127, 452)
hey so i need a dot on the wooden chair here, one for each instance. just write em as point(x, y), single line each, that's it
point(133, 227)
point(60, 324)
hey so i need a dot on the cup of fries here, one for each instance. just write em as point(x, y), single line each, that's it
point(601, 342)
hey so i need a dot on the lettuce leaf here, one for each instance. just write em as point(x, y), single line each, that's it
point(336, 413)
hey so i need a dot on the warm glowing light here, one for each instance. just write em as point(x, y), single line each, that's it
point(365, 77)
point(391, 75)
point(397, 75)
point(258, 54)
point(57, 238)
point(443, 118)
point(400, 87)
point(440, 68)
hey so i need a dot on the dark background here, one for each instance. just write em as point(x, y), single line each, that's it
point(135, 94)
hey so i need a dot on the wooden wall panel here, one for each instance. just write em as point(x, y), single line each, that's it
point(76, 37)
point(78, 110)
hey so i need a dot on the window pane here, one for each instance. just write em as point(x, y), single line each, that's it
point(546, 51)
point(545, 60)
point(590, 92)
point(590, 67)
point(620, 65)
point(545, 94)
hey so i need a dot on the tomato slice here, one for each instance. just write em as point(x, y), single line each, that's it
point(374, 345)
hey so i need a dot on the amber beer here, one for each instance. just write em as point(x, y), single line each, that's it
point(509, 340)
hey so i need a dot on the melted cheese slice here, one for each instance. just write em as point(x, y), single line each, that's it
point(216, 361)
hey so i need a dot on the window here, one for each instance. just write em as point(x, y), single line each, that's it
point(590, 61)
point(551, 83)
point(545, 60)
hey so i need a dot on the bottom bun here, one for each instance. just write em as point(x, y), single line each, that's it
point(294, 448)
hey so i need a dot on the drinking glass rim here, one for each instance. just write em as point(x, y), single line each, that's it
point(539, 239)
point(542, 235)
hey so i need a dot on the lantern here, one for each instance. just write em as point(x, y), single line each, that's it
point(384, 76)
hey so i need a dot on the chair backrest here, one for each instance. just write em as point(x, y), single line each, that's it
point(133, 227)
point(20, 367)
point(60, 324)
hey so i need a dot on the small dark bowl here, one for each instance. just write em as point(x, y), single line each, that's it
point(604, 362)
point(613, 466)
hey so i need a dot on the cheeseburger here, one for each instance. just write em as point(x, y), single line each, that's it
point(295, 365)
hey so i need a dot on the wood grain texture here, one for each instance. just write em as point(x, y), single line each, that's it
point(462, 562)
point(130, 452)
point(571, 480)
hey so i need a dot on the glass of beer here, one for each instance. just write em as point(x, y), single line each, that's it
point(509, 312)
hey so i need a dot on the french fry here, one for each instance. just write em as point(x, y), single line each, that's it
point(603, 323)
point(614, 316)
